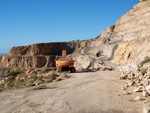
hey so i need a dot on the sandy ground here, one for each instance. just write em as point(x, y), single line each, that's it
point(92, 92)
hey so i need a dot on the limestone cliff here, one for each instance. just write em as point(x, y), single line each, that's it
point(27, 61)
point(135, 24)
point(45, 48)
point(132, 51)
point(36, 55)
point(134, 28)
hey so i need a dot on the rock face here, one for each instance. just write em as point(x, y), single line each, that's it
point(45, 49)
point(129, 40)
point(36, 55)
point(126, 42)
point(27, 61)
point(135, 24)
point(134, 29)
point(133, 51)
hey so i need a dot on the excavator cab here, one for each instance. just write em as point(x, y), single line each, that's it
point(63, 63)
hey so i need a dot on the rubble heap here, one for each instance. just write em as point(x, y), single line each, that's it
point(139, 78)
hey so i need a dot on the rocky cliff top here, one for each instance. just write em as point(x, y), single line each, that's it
point(45, 48)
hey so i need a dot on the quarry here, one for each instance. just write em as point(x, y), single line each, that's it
point(112, 72)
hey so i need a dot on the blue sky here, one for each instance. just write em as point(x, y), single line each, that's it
point(24, 22)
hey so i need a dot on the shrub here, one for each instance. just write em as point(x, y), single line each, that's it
point(146, 60)
point(10, 83)
point(1, 88)
point(14, 73)
point(52, 76)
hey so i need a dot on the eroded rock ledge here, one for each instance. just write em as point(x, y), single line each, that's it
point(45, 48)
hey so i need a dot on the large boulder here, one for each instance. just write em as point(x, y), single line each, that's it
point(83, 62)
point(90, 62)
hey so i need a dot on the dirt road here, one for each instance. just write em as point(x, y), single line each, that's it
point(92, 92)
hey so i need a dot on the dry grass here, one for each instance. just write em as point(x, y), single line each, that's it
point(146, 60)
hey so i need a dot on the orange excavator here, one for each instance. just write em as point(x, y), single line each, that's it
point(63, 63)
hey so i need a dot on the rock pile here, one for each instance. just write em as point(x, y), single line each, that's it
point(139, 78)
point(125, 68)
point(90, 63)
point(146, 107)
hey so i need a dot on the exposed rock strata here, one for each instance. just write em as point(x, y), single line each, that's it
point(132, 51)
point(45, 48)
point(135, 22)
point(134, 28)
point(26, 61)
